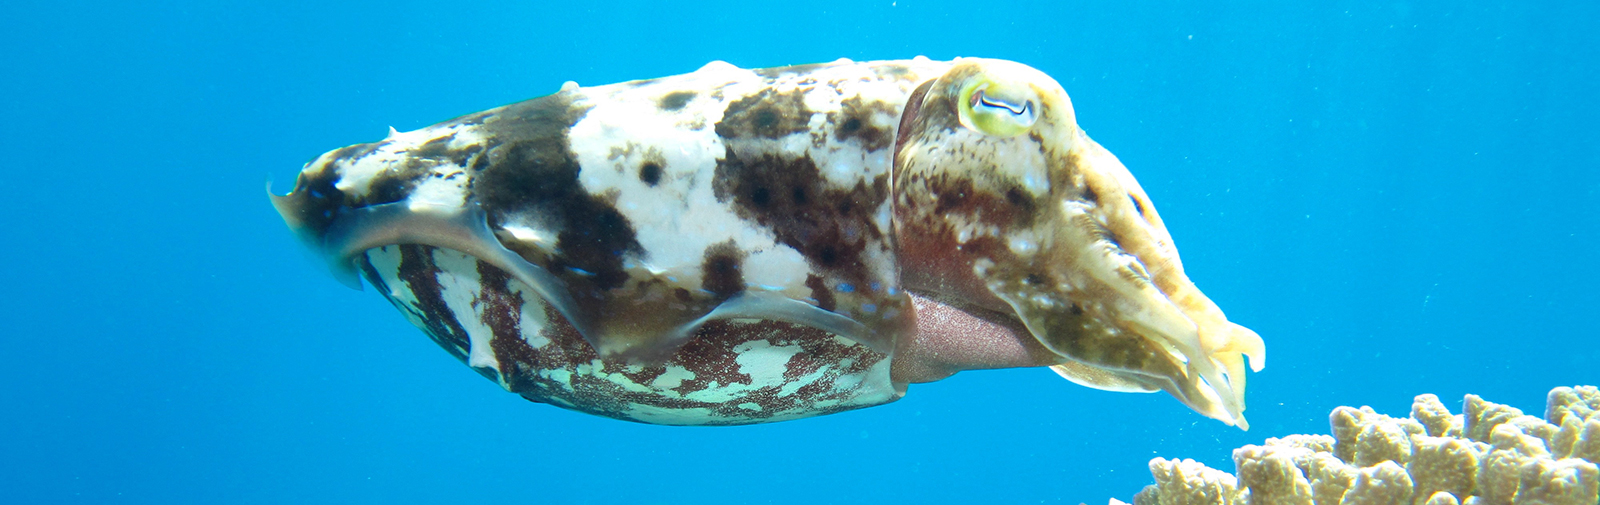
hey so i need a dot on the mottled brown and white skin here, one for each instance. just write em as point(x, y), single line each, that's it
point(737, 246)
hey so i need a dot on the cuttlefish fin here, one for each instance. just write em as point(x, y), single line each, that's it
point(466, 229)
point(461, 228)
point(776, 307)
point(759, 306)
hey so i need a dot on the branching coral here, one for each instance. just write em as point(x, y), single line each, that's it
point(1489, 455)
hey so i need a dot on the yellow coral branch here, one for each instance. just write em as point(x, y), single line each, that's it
point(1491, 454)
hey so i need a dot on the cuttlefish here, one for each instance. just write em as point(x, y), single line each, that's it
point(735, 246)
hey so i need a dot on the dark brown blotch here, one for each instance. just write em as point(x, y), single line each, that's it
point(532, 169)
point(652, 166)
point(675, 100)
point(830, 227)
point(952, 195)
point(502, 315)
point(722, 270)
point(419, 273)
point(820, 292)
point(767, 114)
point(392, 187)
point(650, 173)
point(436, 149)
point(849, 127)
point(398, 182)
point(854, 121)
point(1024, 204)
point(316, 200)
point(959, 195)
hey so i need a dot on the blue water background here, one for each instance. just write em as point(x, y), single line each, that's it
point(1400, 197)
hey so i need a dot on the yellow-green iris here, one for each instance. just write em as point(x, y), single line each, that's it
point(999, 109)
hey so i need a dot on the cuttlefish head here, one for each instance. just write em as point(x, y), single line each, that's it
point(1004, 207)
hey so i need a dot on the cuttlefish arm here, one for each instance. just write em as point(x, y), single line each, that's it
point(1002, 203)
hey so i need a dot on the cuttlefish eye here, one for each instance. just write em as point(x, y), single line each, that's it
point(998, 109)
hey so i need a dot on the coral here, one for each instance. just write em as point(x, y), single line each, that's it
point(1490, 454)
point(1428, 410)
point(1443, 464)
point(1575, 411)
point(1188, 481)
point(1272, 476)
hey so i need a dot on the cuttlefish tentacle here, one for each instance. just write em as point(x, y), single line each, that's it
point(1219, 345)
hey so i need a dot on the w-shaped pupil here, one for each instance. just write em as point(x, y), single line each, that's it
point(1015, 110)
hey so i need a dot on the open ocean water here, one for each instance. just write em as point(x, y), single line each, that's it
point(1400, 197)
